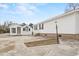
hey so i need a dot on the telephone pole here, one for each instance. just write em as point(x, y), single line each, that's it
point(57, 35)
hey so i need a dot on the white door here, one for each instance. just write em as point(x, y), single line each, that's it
point(18, 30)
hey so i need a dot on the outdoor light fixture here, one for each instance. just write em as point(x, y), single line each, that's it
point(57, 35)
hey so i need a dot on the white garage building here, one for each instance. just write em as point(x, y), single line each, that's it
point(67, 23)
point(17, 29)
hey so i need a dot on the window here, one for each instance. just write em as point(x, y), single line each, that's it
point(41, 26)
point(35, 27)
point(29, 29)
point(13, 30)
point(24, 29)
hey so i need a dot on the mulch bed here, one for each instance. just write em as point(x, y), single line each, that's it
point(41, 42)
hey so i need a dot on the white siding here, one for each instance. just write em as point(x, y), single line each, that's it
point(26, 32)
point(22, 32)
point(77, 23)
point(66, 25)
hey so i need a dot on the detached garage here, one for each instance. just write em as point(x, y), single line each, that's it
point(16, 29)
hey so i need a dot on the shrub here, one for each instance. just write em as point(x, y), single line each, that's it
point(7, 30)
point(4, 31)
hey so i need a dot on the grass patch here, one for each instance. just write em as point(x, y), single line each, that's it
point(41, 42)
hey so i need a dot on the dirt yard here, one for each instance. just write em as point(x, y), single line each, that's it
point(65, 48)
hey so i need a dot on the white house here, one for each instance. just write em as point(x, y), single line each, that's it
point(17, 29)
point(67, 23)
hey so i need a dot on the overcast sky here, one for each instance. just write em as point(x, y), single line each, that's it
point(29, 13)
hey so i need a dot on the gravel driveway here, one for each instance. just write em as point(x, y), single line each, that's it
point(67, 48)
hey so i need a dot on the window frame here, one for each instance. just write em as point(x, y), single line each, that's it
point(35, 27)
point(13, 30)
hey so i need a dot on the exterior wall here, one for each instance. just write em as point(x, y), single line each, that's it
point(13, 26)
point(66, 25)
point(22, 32)
point(26, 32)
point(77, 23)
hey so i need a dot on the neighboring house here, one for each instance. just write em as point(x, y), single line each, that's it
point(16, 29)
point(67, 23)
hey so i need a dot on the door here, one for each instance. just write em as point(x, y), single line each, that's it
point(18, 30)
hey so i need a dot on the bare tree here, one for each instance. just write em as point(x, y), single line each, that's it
point(4, 28)
point(71, 6)
point(23, 24)
point(31, 25)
